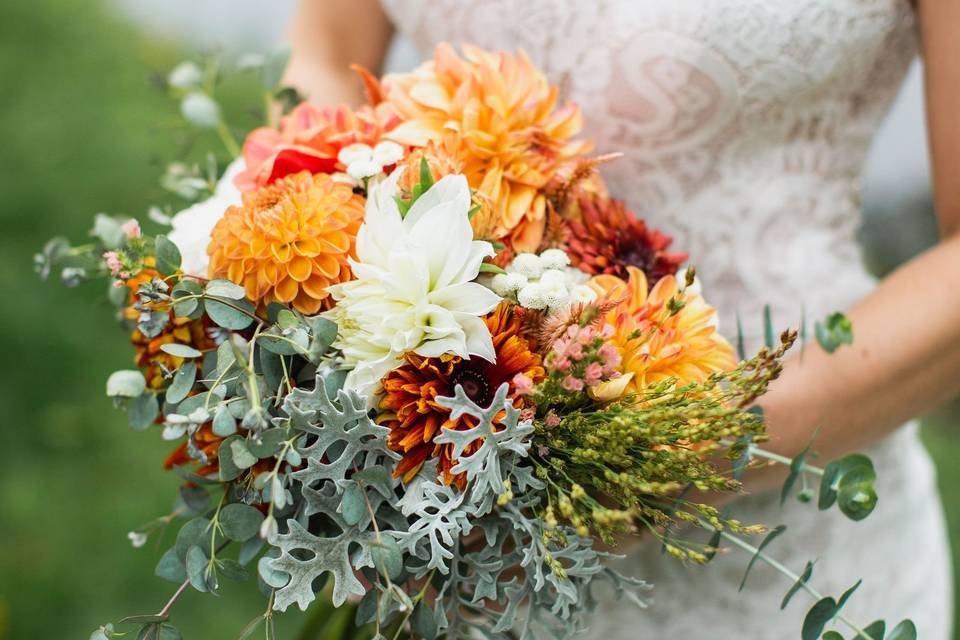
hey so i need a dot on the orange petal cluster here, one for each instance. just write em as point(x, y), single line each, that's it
point(409, 406)
point(309, 139)
point(289, 241)
point(655, 343)
point(500, 115)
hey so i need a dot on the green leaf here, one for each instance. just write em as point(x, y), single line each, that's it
point(352, 504)
point(804, 578)
point(197, 568)
point(423, 623)
point(906, 630)
point(846, 595)
point(849, 482)
point(142, 410)
point(234, 315)
point(273, 577)
point(241, 455)
point(832, 635)
point(182, 383)
point(768, 333)
point(168, 255)
point(293, 342)
point(225, 289)
point(387, 557)
point(817, 618)
point(194, 532)
point(195, 498)
point(875, 630)
point(287, 319)
point(487, 267)
point(184, 291)
point(426, 176)
point(833, 332)
point(180, 350)
point(249, 549)
point(228, 469)
point(126, 383)
point(270, 443)
point(322, 334)
point(239, 521)
point(169, 632)
point(714, 545)
point(170, 567)
point(770, 538)
point(741, 349)
point(224, 424)
point(796, 468)
point(144, 619)
point(232, 569)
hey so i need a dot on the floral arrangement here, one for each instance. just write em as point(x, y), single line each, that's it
point(412, 356)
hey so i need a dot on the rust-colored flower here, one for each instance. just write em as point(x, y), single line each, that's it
point(207, 442)
point(409, 406)
point(499, 114)
point(309, 139)
point(602, 236)
point(289, 241)
point(656, 341)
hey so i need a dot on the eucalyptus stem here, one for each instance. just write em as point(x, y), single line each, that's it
point(176, 595)
point(229, 141)
point(783, 570)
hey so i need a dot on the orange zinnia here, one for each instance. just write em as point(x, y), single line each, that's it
point(501, 114)
point(655, 343)
point(289, 241)
point(409, 407)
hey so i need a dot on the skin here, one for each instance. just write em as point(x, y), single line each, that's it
point(905, 360)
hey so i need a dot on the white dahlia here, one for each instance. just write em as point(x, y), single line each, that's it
point(414, 286)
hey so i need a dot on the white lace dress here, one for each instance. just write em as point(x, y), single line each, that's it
point(744, 125)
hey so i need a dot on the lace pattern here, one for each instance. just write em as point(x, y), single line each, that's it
point(744, 126)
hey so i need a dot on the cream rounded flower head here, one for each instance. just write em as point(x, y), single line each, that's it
point(191, 227)
point(413, 287)
point(363, 161)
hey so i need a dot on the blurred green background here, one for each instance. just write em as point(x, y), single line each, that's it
point(83, 129)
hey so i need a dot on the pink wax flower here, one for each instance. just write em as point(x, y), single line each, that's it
point(552, 420)
point(523, 384)
point(572, 384)
point(593, 374)
point(113, 262)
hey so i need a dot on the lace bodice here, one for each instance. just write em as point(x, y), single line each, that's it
point(744, 125)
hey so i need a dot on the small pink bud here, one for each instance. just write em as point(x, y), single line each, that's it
point(113, 262)
point(132, 228)
point(593, 374)
point(523, 384)
point(572, 384)
point(553, 420)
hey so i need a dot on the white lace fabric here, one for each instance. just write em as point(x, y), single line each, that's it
point(744, 125)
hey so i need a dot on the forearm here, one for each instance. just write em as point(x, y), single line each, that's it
point(904, 361)
point(327, 36)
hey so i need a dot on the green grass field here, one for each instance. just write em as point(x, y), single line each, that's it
point(82, 130)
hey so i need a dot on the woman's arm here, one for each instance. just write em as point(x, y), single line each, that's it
point(328, 36)
point(905, 358)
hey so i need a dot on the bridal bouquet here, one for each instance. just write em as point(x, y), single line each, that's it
point(412, 356)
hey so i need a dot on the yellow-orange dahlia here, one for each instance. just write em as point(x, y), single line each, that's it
point(289, 241)
point(656, 343)
point(501, 115)
point(409, 406)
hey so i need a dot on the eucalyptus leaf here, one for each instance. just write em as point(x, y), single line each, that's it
point(817, 618)
point(387, 557)
point(906, 630)
point(184, 304)
point(422, 622)
point(274, 65)
point(168, 255)
point(876, 630)
point(268, 443)
point(196, 568)
point(352, 504)
point(200, 110)
point(142, 411)
point(224, 424)
point(126, 383)
point(233, 314)
point(182, 383)
point(239, 521)
point(804, 578)
point(767, 540)
point(833, 332)
point(194, 532)
point(225, 289)
point(180, 350)
point(241, 455)
point(232, 569)
point(170, 567)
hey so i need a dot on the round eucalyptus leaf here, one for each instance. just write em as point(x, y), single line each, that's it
point(232, 569)
point(224, 424)
point(268, 443)
point(831, 635)
point(228, 470)
point(183, 291)
point(126, 383)
point(234, 315)
point(387, 557)
point(273, 577)
point(239, 521)
point(186, 75)
point(817, 618)
point(197, 568)
point(906, 630)
point(170, 567)
point(200, 110)
point(249, 549)
point(194, 532)
point(183, 381)
point(169, 632)
point(144, 619)
point(168, 255)
point(876, 630)
point(180, 350)
point(225, 289)
point(352, 504)
point(142, 410)
point(423, 623)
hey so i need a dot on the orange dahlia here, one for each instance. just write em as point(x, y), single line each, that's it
point(148, 356)
point(602, 236)
point(409, 406)
point(309, 139)
point(656, 342)
point(501, 116)
point(289, 241)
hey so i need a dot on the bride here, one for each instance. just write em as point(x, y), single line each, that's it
point(744, 125)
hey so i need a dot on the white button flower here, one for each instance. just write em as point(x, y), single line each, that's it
point(191, 227)
point(527, 264)
point(554, 259)
point(414, 286)
point(363, 161)
point(506, 283)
